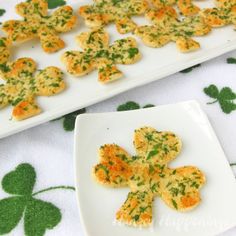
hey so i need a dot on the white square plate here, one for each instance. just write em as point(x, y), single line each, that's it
point(155, 64)
point(98, 204)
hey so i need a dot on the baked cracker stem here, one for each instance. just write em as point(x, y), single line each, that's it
point(38, 24)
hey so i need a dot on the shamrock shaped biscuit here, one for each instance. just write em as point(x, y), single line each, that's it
point(37, 23)
point(223, 14)
point(103, 12)
point(99, 55)
point(186, 7)
point(21, 86)
point(167, 27)
point(148, 175)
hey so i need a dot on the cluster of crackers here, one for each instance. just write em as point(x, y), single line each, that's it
point(167, 25)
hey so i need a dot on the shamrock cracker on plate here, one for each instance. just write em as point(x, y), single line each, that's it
point(223, 14)
point(186, 7)
point(167, 27)
point(97, 54)
point(22, 86)
point(103, 12)
point(148, 176)
point(37, 23)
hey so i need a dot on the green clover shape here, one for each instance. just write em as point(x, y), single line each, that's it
point(131, 105)
point(225, 97)
point(69, 119)
point(38, 215)
point(2, 12)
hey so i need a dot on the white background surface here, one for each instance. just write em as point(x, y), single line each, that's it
point(50, 149)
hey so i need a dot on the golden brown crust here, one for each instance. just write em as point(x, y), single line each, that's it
point(147, 174)
point(186, 7)
point(50, 42)
point(21, 86)
point(49, 81)
point(156, 146)
point(113, 169)
point(166, 27)
point(37, 23)
point(187, 44)
point(180, 188)
point(137, 209)
point(99, 55)
point(223, 14)
point(103, 12)
point(25, 109)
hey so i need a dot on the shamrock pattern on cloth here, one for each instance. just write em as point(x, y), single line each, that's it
point(167, 27)
point(2, 12)
point(223, 14)
point(21, 86)
point(38, 215)
point(37, 23)
point(131, 105)
point(186, 7)
point(99, 55)
point(103, 12)
point(68, 120)
point(148, 175)
point(226, 97)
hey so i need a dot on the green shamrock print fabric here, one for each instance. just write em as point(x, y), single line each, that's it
point(38, 215)
point(225, 97)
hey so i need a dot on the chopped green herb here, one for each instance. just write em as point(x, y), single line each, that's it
point(4, 68)
point(55, 3)
point(2, 44)
point(152, 153)
point(132, 52)
point(174, 203)
point(136, 217)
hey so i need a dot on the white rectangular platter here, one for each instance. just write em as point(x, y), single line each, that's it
point(81, 92)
